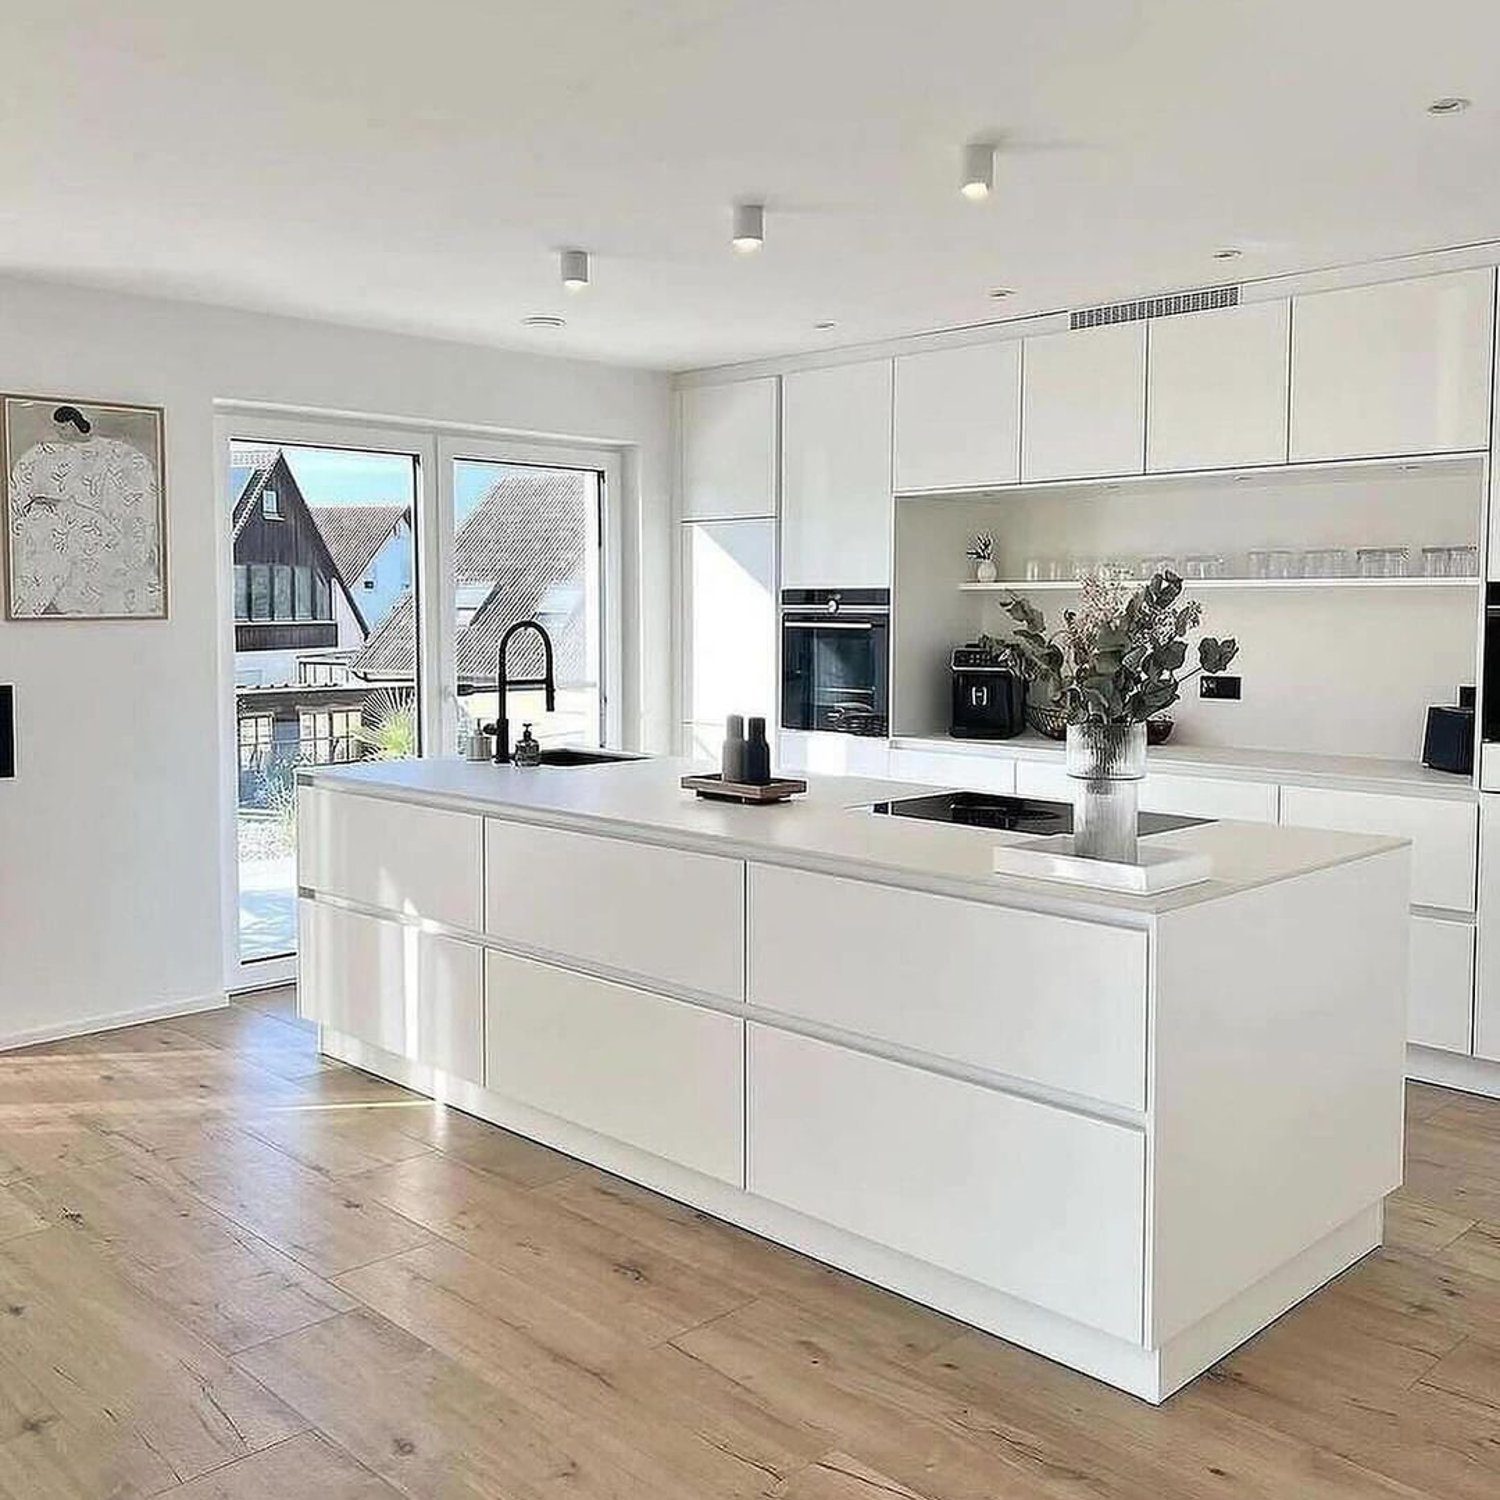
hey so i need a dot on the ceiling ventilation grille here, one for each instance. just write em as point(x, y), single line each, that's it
point(1205, 299)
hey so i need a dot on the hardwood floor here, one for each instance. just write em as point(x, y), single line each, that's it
point(229, 1269)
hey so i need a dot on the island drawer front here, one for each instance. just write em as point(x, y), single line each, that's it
point(1444, 835)
point(1037, 997)
point(410, 860)
point(668, 916)
point(663, 1075)
point(1440, 1002)
point(1040, 1203)
point(407, 992)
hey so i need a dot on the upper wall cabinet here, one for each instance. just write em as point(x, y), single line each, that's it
point(836, 477)
point(1083, 403)
point(958, 417)
point(1217, 387)
point(728, 437)
point(1403, 367)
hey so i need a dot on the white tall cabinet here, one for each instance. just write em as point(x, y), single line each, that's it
point(958, 417)
point(1217, 388)
point(1083, 403)
point(836, 477)
point(1397, 368)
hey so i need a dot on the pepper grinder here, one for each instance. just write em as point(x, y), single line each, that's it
point(757, 754)
point(732, 765)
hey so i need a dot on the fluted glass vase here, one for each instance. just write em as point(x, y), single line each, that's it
point(1107, 763)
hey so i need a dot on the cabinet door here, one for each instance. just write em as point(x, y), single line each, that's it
point(407, 992)
point(1440, 1001)
point(1041, 1203)
point(1217, 385)
point(971, 773)
point(1210, 797)
point(728, 447)
point(1083, 403)
point(1487, 977)
point(670, 916)
point(836, 477)
point(344, 848)
point(1048, 999)
point(799, 751)
point(958, 417)
point(1403, 367)
point(1443, 834)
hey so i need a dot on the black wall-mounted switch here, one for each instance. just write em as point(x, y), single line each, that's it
point(7, 731)
point(1211, 685)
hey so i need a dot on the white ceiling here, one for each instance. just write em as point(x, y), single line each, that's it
point(417, 166)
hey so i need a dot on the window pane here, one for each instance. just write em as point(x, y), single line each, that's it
point(322, 603)
point(241, 592)
point(281, 602)
point(526, 546)
point(260, 591)
point(304, 592)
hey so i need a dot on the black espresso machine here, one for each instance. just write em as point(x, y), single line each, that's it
point(989, 700)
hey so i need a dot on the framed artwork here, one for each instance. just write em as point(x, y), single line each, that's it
point(84, 514)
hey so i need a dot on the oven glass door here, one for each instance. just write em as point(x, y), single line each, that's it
point(834, 673)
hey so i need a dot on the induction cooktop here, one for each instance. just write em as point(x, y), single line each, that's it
point(1013, 814)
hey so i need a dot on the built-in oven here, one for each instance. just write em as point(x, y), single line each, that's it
point(835, 660)
point(1490, 729)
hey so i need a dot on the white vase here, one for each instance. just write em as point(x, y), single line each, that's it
point(1107, 763)
point(985, 571)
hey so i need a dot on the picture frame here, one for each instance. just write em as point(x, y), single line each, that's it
point(83, 510)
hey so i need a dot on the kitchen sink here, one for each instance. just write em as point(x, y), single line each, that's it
point(565, 755)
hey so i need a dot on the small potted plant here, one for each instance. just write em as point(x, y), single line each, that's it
point(981, 552)
point(1118, 659)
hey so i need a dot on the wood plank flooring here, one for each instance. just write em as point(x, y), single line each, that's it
point(230, 1269)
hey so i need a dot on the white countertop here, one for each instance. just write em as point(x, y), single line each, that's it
point(829, 829)
point(1352, 772)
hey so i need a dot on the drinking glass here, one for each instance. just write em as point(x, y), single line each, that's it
point(1437, 562)
point(1258, 563)
point(1326, 562)
point(1281, 562)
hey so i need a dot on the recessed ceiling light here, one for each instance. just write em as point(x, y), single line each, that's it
point(749, 227)
point(544, 320)
point(575, 269)
point(978, 177)
point(1228, 253)
point(825, 325)
point(999, 292)
point(1455, 104)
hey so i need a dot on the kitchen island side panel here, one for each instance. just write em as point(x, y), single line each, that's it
point(1278, 1038)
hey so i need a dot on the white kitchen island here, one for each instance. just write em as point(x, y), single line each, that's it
point(1126, 1132)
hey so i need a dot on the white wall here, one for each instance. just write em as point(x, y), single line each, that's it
point(110, 835)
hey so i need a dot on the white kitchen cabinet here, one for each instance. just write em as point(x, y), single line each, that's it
point(1067, 1000)
point(1440, 1001)
point(1487, 966)
point(728, 449)
point(1044, 778)
point(799, 751)
point(1217, 388)
point(668, 915)
point(411, 861)
point(968, 772)
point(1041, 1203)
point(729, 624)
point(660, 1074)
point(836, 477)
point(1444, 835)
point(958, 417)
point(1401, 367)
point(1083, 403)
point(1210, 797)
point(410, 993)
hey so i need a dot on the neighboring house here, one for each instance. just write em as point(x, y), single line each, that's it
point(518, 555)
point(308, 586)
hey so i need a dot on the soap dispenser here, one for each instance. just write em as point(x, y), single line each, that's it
point(527, 751)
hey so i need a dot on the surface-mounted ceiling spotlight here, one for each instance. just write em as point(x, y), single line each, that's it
point(749, 227)
point(1455, 104)
point(544, 320)
point(575, 269)
point(978, 178)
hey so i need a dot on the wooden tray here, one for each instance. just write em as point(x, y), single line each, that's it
point(717, 789)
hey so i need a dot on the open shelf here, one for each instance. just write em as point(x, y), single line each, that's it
point(1021, 586)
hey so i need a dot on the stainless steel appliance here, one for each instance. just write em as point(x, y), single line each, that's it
point(1012, 814)
point(1490, 731)
point(835, 660)
point(989, 700)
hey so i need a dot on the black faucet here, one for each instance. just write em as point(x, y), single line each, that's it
point(503, 682)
